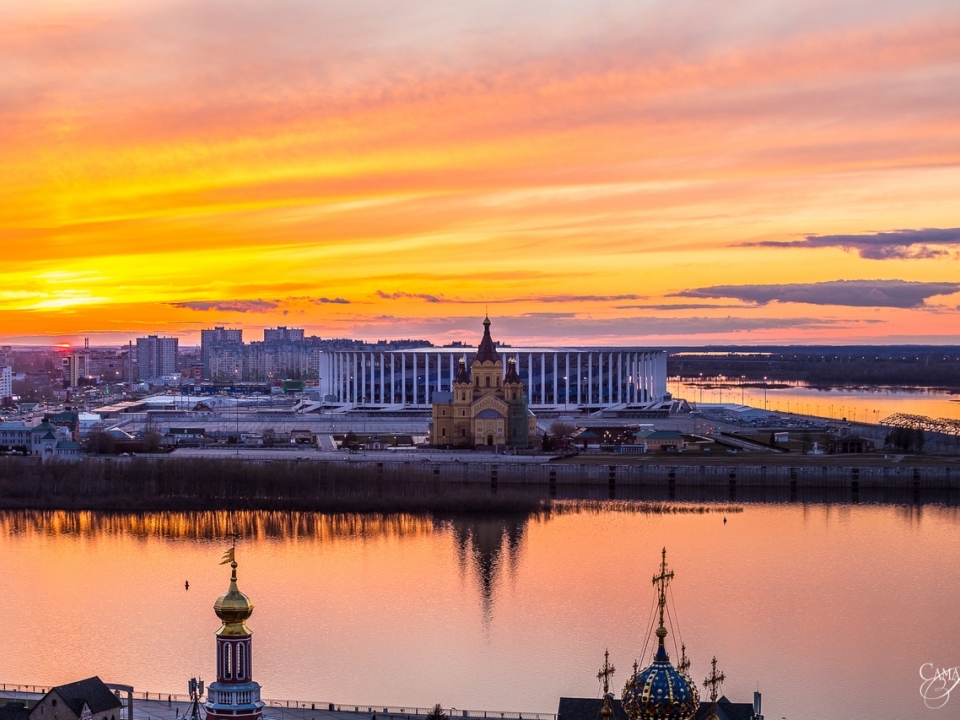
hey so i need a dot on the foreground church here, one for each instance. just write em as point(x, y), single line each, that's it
point(486, 406)
point(660, 691)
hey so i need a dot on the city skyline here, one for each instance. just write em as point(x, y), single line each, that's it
point(609, 172)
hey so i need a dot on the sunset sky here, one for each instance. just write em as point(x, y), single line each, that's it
point(599, 172)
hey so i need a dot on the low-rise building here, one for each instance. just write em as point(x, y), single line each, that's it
point(846, 444)
point(660, 440)
point(88, 699)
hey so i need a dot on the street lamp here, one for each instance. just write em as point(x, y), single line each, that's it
point(764, 392)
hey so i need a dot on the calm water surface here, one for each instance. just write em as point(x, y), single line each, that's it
point(830, 610)
point(856, 404)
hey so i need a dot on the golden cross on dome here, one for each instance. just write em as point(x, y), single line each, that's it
point(606, 671)
point(714, 682)
point(663, 580)
point(683, 667)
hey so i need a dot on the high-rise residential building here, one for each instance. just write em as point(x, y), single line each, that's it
point(6, 383)
point(75, 365)
point(222, 352)
point(156, 356)
point(284, 354)
point(282, 334)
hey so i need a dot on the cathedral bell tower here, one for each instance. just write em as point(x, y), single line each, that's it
point(234, 695)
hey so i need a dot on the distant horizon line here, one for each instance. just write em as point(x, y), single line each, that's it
point(899, 342)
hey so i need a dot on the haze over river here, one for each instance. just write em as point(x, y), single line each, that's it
point(830, 609)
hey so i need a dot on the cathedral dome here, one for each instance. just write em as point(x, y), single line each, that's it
point(233, 608)
point(660, 691)
point(512, 375)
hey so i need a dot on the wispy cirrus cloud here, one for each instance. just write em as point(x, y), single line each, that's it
point(243, 306)
point(679, 306)
point(851, 293)
point(399, 295)
point(411, 296)
point(258, 305)
point(893, 245)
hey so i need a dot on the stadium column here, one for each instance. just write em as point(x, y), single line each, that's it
point(643, 377)
point(579, 382)
point(610, 378)
point(589, 378)
point(415, 388)
point(530, 378)
point(363, 376)
point(555, 361)
point(543, 378)
point(566, 381)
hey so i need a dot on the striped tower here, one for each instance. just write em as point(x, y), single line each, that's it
point(234, 695)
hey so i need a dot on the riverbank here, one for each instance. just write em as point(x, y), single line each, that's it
point(144, 484)
point(432, 486)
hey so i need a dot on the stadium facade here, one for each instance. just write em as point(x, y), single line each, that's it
point(554, 378)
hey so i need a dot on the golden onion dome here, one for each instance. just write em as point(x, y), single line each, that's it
point(233, 608)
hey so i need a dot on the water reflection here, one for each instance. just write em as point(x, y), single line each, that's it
point(506, 610)
point(215, 525)
point(481, 541)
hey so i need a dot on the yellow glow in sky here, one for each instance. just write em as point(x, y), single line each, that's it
point(605, 172)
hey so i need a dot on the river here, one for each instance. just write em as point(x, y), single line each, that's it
point(829, 609)
point(857, 404)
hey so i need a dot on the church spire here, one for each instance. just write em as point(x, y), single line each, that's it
point(487, 352)
point(235, 695)
point(713, 683)
point(660, 691)
point(661, 582)
point(604, 676)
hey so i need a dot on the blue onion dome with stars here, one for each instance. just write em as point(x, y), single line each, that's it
point(661, 690)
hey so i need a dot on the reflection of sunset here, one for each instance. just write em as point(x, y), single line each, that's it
point(214, 525)
point(496, 613)
point(161, 159)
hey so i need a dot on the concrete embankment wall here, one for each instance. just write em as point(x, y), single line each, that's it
point(665, 475)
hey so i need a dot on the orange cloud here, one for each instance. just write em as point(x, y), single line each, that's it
point(168, 157)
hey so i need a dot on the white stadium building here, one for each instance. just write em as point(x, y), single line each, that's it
point(554, 378)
